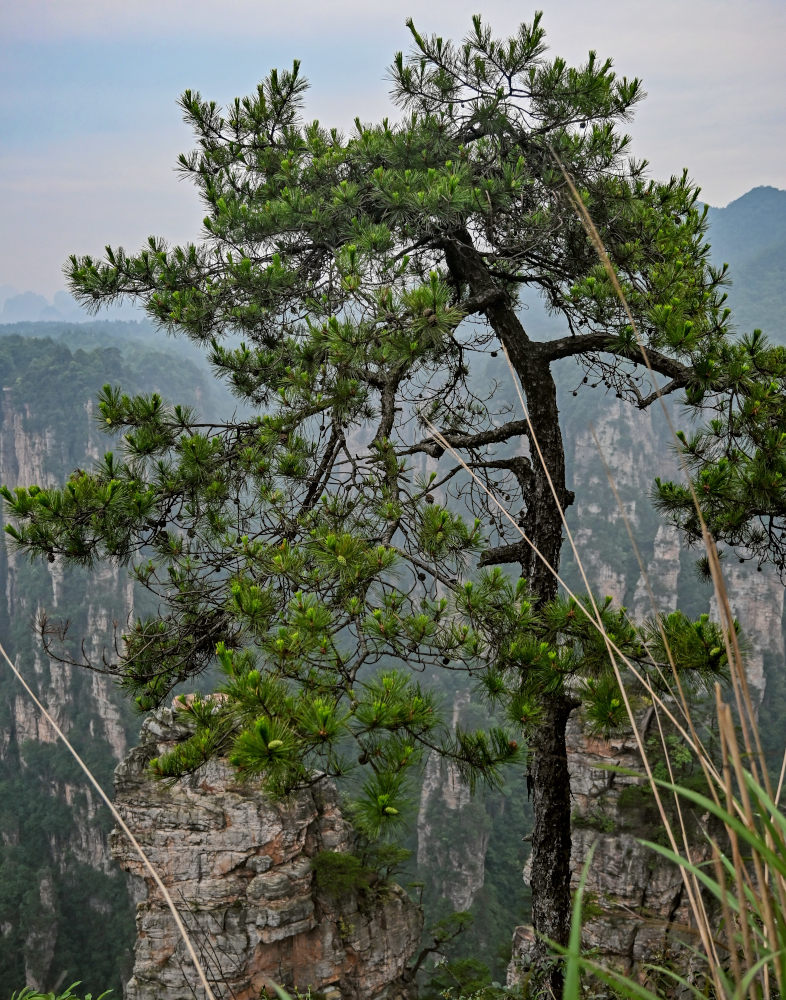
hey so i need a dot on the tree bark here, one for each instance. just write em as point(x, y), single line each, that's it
point(551, 841)
point(543, 522)
point(551, 837)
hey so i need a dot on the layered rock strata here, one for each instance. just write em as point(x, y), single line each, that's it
point(42, 790)
point(239, 868)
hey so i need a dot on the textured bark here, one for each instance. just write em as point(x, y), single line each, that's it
point(543, 523)
point(551, 842)
point(546, 493)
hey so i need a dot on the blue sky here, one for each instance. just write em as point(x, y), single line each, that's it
point(90, 129)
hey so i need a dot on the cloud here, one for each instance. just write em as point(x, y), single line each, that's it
point(177, 19)
point(91, 131)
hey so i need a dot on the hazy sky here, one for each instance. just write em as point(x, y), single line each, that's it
point(89, 128)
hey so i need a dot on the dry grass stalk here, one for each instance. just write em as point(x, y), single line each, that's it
point(765, 891)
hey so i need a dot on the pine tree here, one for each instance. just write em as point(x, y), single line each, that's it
point(320, 548)
point(737, 457)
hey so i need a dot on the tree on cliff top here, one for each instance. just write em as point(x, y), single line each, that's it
point(371, 278)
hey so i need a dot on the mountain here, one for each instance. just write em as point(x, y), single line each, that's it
point(749, 234)
point(30, 307)
point(65, 910)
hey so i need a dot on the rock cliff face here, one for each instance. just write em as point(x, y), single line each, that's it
point(635, 906)
point(637, 447)
point(53, 833)
point(27, 458)
point(239, 867)
point(446, 806)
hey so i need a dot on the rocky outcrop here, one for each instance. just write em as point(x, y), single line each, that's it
point(635, 908)
point(449, 837)
point(635, 905)
point(638, 446)
point(39, 946)
point(240, 869)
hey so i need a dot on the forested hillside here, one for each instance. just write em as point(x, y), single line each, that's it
point(65, 912)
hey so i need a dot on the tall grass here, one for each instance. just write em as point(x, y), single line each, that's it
point(746, 875)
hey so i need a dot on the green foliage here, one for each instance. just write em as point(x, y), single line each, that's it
point(459, 977)
point(737, 458)
point(598, 819)
point(30, 994)
point(340, 874)
point(637, 808)
point(305, 545)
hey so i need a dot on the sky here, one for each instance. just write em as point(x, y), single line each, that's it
point(90, 130)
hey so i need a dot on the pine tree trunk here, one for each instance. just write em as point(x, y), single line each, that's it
point(551, 843)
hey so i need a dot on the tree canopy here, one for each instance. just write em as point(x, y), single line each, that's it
point(737, 456)
point(337, 536)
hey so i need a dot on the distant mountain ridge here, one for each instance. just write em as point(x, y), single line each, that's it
point(31, 307)
point(749, 234)
point(748, 225)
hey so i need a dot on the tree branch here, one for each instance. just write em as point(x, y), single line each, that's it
point(479, 303)
point(515, 428)
point(605, 343)
point(516, 552)
point(645, 401)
